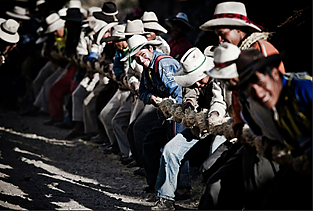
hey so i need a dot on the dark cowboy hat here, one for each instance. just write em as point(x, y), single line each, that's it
point(73, 14)
point(180, 17)
point(108, 12)
point(252, 60)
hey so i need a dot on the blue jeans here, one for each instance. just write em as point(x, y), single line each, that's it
point(173, 154)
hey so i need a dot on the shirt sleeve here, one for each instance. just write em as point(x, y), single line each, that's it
point(167, 68)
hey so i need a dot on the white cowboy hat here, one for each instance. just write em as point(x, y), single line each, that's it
point(230, 14)
point(134, 27)
point(136, 42)
point(62, 12)
point(8, 30)
point(150, 22)
point(225, 57)
point(104, 29)
point(39, 3)
point(182, 17)
point(18, 12)
point(95, 25)
point(116, 34)
point(54, 22)
point(193, 66)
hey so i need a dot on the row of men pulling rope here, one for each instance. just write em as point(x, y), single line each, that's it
point(190, 118)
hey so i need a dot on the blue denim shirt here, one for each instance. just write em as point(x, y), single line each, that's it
point(118, 65)
point(162, 83)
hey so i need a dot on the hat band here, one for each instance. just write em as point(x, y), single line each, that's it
point(5, 30)
point(155, 21)
point(195, 68)
point(224, 64)
point(110, 14)
point(236, 16)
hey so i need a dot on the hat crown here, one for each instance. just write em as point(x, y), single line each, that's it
point(118, 30)
point(226, 52)
point(109, 7)
point(247, 57)
point(52, 18)
point(230, 7)
point(135, 26)
point(182, 16)
point(74, 4)
point(192, 59)
point(39, 2)
point(136, 40)
point(96, 24)
point(19, 10)
point(11, 26)
point(149, 16)
point(74, 13)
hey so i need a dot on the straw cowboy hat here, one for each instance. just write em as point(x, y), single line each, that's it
point(150, 22)
point(108, 13)
point(117, 34)
point(136, 42)
point(19, 13)
point(134, 27)
point(73, 14)
point(230, 14)
point(104, 29)
point(8, 30)
point(181, 17)
point(225, 57)
point(252, 60)
point(54, 22)
point(193, 66)
point(77, 4)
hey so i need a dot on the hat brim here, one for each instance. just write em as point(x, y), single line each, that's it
point(188, 79)
point(22, 17)
point(210, 25)
point(169, 22)
point(107, 18)
point(8, 37)
point(104, 29)
point(78, 19)
point(223, 73)
point(133, 33)
point(244, 78)
point(113, 39)
point(138, 48)
point(55, 26)
point(155, 27)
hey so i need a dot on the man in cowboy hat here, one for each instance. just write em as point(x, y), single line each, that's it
point(51, 71)
point(151, 24)
point(156, 82)
point(179, 43)
point(8, 37)
point(257, 114)
point(231, 25)
point(202, 92)
point(290, 99)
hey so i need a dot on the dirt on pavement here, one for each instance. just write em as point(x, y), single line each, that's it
point(41, 170)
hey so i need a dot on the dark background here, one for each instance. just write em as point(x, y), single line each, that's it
point(290, 20)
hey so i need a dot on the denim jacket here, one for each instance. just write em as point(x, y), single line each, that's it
point(162, 83)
